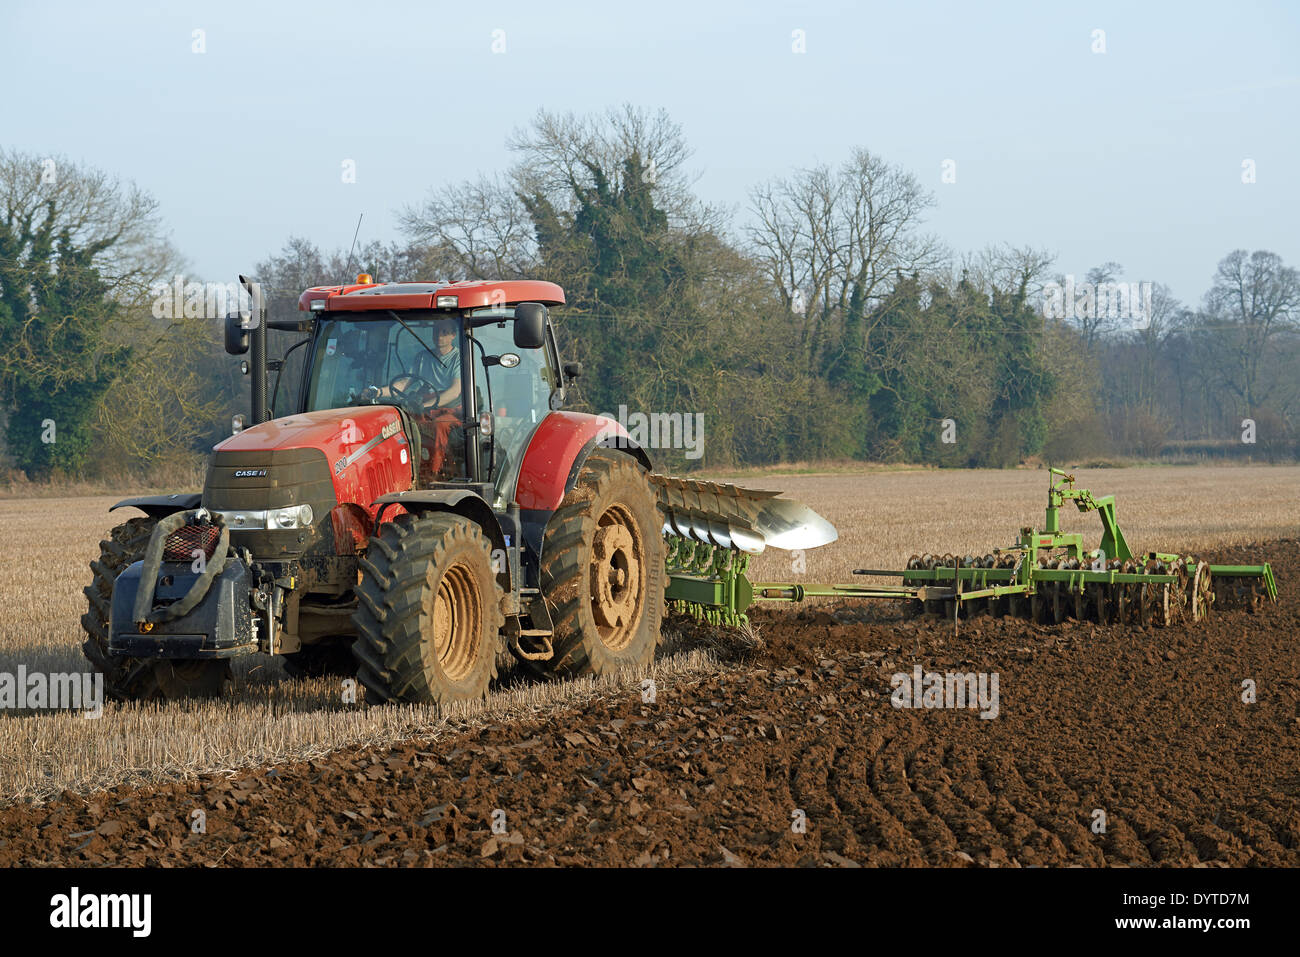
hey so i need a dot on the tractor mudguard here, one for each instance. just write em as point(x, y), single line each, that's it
point(549, 469)
point(499, 529)
point(158, 506)
point(220, 626)
point(557, 450)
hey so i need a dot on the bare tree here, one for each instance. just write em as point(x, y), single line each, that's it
point(1010, 269)
point(560, 153)
point(832, 240)
point(480, 228)
point(1253, 309)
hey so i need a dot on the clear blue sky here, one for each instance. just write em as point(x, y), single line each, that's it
point(1133, 155)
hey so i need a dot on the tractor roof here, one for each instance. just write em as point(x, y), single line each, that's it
point(468, 294)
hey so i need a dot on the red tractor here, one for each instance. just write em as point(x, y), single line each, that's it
point(427, 511)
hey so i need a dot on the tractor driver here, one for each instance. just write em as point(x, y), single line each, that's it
point(442, 406)
point(441, 370)
point(441, 403)
point(433, 385)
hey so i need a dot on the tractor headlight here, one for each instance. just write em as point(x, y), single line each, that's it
point(291, 516)
point(294, 516)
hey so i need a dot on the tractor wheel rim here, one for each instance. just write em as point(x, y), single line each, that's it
point(457, 622)
point(617, 577)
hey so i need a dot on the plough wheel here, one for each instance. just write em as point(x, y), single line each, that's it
point(1143, 604)
point(1080, 604)
point(1122, 604)
point(1254, 598)
point(1201, 592)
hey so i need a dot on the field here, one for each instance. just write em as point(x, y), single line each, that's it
point(1148, 727)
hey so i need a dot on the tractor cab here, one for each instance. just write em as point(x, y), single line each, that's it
point(472, 385)
point(472, 367)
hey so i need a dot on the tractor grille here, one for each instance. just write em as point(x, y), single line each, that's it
point(182, 543)
point(258, 479)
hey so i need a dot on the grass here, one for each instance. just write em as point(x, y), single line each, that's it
point(882, 516)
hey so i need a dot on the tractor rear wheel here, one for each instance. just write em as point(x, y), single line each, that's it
point(124, 678)
point(602, 571)
point(429, 615)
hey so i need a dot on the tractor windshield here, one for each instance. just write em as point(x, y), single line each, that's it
point(388, 358)
point(415, 363)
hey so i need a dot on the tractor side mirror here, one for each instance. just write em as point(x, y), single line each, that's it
point(236, 335)
point(572, 370)
point(530, 325)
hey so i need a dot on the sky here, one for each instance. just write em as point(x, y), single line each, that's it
point(1133, 155)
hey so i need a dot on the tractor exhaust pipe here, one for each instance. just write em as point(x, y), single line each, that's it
point(257, 334)
point(258, 370)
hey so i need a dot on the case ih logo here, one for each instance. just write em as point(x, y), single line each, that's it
point(250, 473)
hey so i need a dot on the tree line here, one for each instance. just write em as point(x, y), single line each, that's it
point(826, 324)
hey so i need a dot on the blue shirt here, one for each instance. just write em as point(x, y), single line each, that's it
point(442, 371)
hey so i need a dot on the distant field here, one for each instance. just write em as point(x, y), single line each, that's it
point(882, 517)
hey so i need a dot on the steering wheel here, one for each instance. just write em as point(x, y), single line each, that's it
point(408, 394)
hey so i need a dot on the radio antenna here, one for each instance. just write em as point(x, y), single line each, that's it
point(348, 272)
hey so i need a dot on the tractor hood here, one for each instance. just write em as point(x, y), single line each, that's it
point(336, 432)
point(352, 455)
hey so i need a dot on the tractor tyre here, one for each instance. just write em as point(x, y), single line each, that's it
point(428, 618)
point(328, 657)
point(602, 571)
point(125, 679)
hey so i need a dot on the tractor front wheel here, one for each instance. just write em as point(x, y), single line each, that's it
point(429, 615)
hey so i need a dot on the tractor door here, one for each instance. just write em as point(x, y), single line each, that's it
point(513, 387)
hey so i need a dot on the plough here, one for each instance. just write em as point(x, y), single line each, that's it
point(1047, 576)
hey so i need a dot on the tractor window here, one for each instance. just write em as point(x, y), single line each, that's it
point(520, 393)
point(387, 357)
point(286, 385)
point(375, 360)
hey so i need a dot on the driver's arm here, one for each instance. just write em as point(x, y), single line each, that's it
point(447, 397)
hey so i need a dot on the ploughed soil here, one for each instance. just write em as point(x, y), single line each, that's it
point(794, 754)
